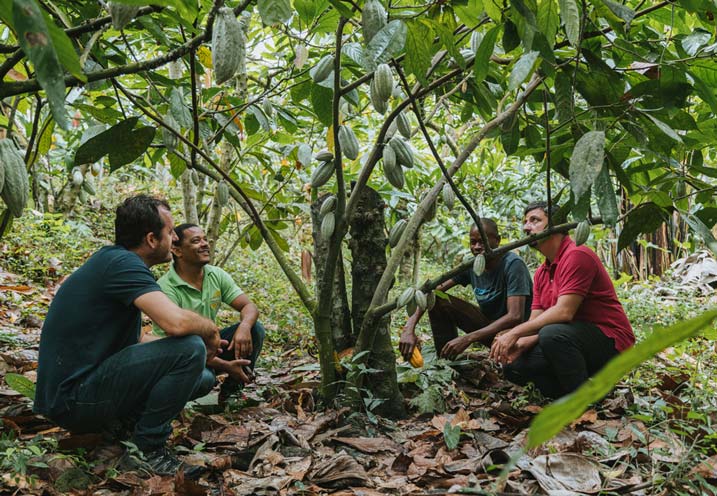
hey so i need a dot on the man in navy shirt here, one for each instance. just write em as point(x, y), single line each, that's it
point(94, 372)
point(503, 293)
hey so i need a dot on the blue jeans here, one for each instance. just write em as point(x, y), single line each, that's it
point(147, 385)
point(258, 333)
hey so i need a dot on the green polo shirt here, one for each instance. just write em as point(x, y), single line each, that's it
point(217, 287)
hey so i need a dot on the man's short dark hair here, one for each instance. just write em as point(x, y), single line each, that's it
point(137, 216)
point(542, 205)
point(489, 223)
point(179, 231)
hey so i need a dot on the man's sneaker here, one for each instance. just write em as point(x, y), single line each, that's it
point(160, 461)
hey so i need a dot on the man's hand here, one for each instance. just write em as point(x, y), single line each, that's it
point(503, 347)
point(213, 344)
point(408, 342)
point(239, 370)
point(455, 347)
point(241, 343)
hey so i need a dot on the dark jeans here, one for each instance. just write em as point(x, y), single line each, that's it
point(566, 356)
point(147, 385)
point(447, 316)
point(258, 333)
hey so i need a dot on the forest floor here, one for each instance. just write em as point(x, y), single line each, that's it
point(465, 433)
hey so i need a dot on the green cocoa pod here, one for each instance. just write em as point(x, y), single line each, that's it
point(405, 297)
point(349, 143)
point(222, 193)
point(421, 300)
point(373, 19)
point(324, 156)
point(479, 264)
point(88, 186)
point(394, 236)
point(383, 80)
point(404, 155)
point(411, 307)
point(323, 68)
point(582, 233)
point(322, 174)
point(329, 205)
point(379, 104)
point(121, 14)
point(267, 107)
point(169, 138)
point(303, 154)
point(83, 196)
point(476, 38)
point(2, 173)
point(16, 183)
point(392, 169)
point(327, 225)
point(449, 196)
point(432, 207)
point(77, 178)
point(430, 301)
point(227, 45)
point(404, 126)
point(391, 131)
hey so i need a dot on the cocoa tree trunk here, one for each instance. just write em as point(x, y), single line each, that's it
point(368, 247)
point(215, 214)
point(189, 196)
point(341, 314)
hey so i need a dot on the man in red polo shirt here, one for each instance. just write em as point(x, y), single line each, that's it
point(576, 322)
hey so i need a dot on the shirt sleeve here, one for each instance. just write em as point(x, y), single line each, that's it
point(464, 278)
point(127, 278)
point(518, 281)
point(538, 282)
point(228, 287)
point(577, 273)
point(172, 295)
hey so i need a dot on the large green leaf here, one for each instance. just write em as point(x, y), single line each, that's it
point(188, 8)
point(694, 42)
point(701, 229)
point(570, 15)
point(120, 142)
point(586, 161)
point(667, 130)
point(469, 13)
point(643, 219)
point(385, 44)
point(419, 41)
point(605, 195)
point(322, 103)
point(483, 54)
point(21, 384)
point(66, 53)
point(523, 68)
point(548, 19)
point(554, 417)
point(36, 41)
point(274, 11)
point(563, 96)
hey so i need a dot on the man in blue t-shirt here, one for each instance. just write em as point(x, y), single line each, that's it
point(95, 369)
point(503, 292)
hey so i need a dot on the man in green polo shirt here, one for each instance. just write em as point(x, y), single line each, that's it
point(193, 284)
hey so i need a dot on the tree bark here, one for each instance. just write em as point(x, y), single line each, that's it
point(368, 247)
point(189, 195)
point(215, 215)
point(341, 330)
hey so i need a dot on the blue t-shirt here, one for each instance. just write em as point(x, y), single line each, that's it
point(91, 318)
point(492, 288)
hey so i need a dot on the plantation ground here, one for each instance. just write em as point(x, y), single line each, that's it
point(653, 435)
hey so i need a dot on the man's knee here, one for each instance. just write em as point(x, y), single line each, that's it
point(258, 332)
point(553, 335)
point(192, 347)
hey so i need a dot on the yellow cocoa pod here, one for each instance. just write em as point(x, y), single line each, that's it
point(416, 360)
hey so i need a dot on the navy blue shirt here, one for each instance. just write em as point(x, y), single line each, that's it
point(492, 288)
point(91, 318)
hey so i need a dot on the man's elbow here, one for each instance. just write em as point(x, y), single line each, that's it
point(513, 319)
point(180, 325)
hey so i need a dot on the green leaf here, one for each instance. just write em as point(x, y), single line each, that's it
point(522, 69)
point(494, 9)
point(274, 11)
point(605, 194)
point(548, 20)
point(66, 53)
point(554, 417)
point(483, 54)
point(643, 219)
point(344, 9)
point(121, 143)
point(451, 435)
point(664, 128)
point(586, 161)
point(470, 12)
point(177, 165)
point(419, 40)
point(260, 117)
point(36, 42)
point(570, 15)
point(621, 11)
point(179, 110)
point(21, 384)
point(701, 230)
point(188, 8)
point(385, 44)
point(322, 102)
point(309, 10)
point(563, 96)
point(693, 42)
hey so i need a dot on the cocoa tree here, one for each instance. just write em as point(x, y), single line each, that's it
point(609, 105)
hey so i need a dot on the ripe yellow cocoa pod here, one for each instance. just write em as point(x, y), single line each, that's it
point(416, 359)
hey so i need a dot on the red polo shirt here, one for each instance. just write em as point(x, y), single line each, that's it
point(578, 270)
